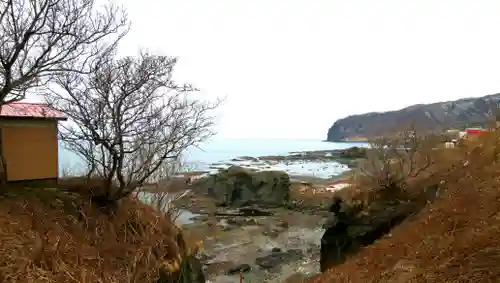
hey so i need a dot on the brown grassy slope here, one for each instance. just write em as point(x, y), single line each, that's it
point(455, 239)
point(49, 236)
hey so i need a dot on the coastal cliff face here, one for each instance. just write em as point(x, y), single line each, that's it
point(466, 112)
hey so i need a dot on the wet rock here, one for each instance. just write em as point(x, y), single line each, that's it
point(239, 268)
point(240, 221)
point(251, 211)
point(353, 152)
point(294, 254)
point(236, 221)
point(246, 158)
point(218, 268)
point(267, 262)
point(328, 222)
point(350, 230)
point(205, 258)
point(284, 224)
point(275, 259)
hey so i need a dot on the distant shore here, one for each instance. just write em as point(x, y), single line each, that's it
point(363, 140)
point(316, 167)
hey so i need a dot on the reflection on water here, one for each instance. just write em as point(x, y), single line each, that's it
point(164, 200)
point(185, 217)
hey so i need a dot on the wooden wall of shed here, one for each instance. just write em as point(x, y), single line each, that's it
point(30, 148)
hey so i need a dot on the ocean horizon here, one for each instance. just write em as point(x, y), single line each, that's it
point(220, 150)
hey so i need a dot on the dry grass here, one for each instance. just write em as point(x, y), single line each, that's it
point(454, 239)
point(51, 236)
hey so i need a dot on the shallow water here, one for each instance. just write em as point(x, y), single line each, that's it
point(183, 216)
point(319, 169)
point(223, 150)
point(218, 154)
point(218, 150)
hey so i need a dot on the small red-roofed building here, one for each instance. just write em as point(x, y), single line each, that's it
point(475, 131)
point(30, 141)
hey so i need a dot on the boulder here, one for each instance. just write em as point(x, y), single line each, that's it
point(276, 250)
point(354, 152)
point(251, 211)
point(240, 268)
point(273, 260)
point(241, 221)
point(237, 186)
point(214, 268)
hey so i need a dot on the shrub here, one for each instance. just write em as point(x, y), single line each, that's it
point(454, 239)
point(393, 163)
point(55, 236)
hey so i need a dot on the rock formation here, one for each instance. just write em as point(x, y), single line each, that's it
point(461, 113)
point(237, 186)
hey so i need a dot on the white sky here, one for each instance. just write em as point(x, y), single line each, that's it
point(290, 68)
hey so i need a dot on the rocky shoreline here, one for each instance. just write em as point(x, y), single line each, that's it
point(264, 248)
point(252, 221)
point(319, 164)
point(349, 156)
point(265, 225)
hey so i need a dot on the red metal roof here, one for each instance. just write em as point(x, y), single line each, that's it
point(476, 131)
point(31, 110)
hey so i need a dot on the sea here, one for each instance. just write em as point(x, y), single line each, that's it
point(220, 153)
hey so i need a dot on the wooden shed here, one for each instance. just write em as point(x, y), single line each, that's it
point(30, 141)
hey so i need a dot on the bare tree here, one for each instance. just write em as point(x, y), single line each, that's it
point(40, 39)
point(392, 161)
point(129, 117)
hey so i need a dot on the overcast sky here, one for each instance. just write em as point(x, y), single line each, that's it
point(290, 68)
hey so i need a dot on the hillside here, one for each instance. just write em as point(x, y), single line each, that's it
point(51, 235)
point(425, 117)
point(458, 233)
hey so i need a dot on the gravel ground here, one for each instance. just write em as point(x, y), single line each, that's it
point(270, 248)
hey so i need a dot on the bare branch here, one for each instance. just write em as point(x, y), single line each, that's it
point(129, 118)
point(392, 161)
point(161, 196)
point(42, 39)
